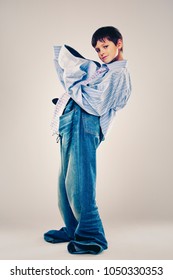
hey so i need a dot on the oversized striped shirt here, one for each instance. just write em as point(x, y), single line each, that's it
point(100, 90)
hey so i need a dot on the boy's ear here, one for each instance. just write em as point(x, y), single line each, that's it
point(120, 44)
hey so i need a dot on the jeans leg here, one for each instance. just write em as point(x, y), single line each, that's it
point(64, 201)
point(66, 233)
point(89, 234)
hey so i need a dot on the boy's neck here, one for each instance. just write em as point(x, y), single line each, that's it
point(118, 57)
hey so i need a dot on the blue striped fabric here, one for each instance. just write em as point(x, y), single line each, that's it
point(100, 90)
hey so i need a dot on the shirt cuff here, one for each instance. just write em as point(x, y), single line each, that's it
point(57, 51)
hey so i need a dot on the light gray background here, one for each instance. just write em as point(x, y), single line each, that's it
point(135, 176)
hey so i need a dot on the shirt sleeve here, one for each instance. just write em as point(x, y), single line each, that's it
point(98, 97)
point(111, 93)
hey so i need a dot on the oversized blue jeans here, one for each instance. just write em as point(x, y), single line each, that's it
point(80, 136)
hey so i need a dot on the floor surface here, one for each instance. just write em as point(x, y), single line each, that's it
point(126, 242)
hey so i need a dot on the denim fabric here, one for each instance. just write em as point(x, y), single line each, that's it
point(80, 136)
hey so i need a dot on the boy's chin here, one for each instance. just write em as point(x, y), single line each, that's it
point(110, 61)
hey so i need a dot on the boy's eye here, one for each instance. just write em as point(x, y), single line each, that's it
point(97, 50)
point(105, 46)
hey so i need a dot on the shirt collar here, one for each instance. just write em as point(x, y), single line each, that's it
point(116, 64)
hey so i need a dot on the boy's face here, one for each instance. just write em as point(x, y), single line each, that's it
point(108, 51)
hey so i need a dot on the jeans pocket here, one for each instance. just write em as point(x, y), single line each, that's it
point(91, 124)
point(65, 122)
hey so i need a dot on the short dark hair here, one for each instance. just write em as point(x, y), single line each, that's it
point(109, 32)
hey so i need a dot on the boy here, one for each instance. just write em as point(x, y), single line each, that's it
point(81, 120)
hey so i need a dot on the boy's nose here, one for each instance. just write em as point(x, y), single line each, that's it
point(102, 53)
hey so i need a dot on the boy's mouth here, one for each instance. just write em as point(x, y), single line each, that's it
point(104, 57)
